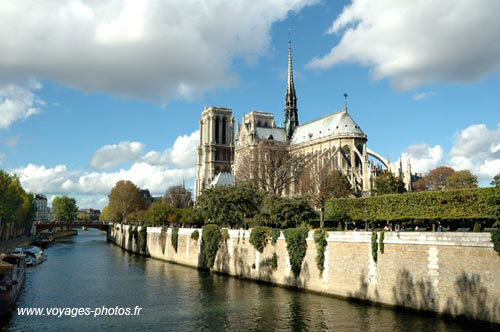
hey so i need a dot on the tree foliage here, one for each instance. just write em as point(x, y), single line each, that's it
point(429, 205)
point(495, 183)
point(64, 208)
point(228, 206)
point(437, 177)
point(282, 212)
point(461, 180)
point(124, 199)
point(16, 205)
point(323, 185)
point(386, 183)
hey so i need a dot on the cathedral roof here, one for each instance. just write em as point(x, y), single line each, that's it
point(336, 124)
point(223, 179)
point(277, 134)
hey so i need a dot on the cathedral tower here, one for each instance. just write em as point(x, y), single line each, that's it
point(291, 117)
point(216, 149)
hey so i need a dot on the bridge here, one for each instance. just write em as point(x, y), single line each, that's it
point(51, 226)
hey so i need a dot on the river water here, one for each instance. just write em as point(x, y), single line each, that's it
point(85, 271)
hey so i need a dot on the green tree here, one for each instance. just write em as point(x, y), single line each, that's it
point(64, 208)
point(105, 215)
point(387, 183)
point(281, 212)
point(229, 206)
point(496, 181)
point(322, 186)
point(160, 213)
point(461, 180)
point(437, 176)
point(124, 199)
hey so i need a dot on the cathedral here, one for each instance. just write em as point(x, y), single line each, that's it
point(279, 158)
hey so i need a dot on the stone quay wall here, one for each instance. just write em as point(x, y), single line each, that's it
point(452, 273)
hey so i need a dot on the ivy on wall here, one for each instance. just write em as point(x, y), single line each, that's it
point(175, 237)
point(296, 246)
point(210, 242)
point(225, 234)
point(259, 237)
point(274, 262)
point(275, 234)
point(142, 239)
point(381, 242)
point(495, 238)
point(195, 235)
point(320, 240)
point(374, 246)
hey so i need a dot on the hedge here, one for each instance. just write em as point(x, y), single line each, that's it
point(429, 205)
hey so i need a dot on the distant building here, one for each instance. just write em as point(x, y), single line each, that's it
point(42, 211)
point(146, 195)
point(93, 214)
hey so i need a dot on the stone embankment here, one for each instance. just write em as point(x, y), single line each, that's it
point(451, 273)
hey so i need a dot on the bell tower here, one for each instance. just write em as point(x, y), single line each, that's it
point(216, 149)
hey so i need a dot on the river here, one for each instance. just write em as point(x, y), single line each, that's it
point(85, 271)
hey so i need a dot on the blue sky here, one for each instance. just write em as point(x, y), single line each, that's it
point(112, 89)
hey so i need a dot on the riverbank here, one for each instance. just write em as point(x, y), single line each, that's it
point(445, 273)
point(25, 241)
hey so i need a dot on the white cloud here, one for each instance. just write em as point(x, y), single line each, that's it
point(149, 49)
point(476, 148)
point(424, 95)
point(59, 180)
point(182, 154)
point(109, 156)
point(18, 102)
point(416, 42)
point(423, 157)
point(156, 171)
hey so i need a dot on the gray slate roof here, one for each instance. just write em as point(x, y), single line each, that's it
point(278, 134)
point(336, 124)
point(223, 179)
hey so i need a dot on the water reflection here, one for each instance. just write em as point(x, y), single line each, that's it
point(85, 271)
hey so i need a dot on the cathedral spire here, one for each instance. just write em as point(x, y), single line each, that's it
point(291, 117)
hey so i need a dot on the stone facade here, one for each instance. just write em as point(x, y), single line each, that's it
point(452, 273)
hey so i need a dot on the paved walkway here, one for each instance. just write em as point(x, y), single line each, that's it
point(13, 243)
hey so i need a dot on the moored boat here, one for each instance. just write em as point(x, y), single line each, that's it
point(12, 277)
point(44, 239)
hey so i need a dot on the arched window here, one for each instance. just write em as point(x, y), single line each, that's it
point(223, 130)
point(217, 129)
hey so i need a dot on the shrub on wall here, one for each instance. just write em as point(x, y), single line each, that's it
point(175, 237)
point(274, 262)
point(259, 237)
point(142, 241)
point(477, 227)
point(428, 205)
point(495, 238)
point(320, 240)
point(210, 242)
point(224, 234)
point(374, 246)
point(275, 234)
point(296, 246)
point(381, 242)
point(195, 235)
